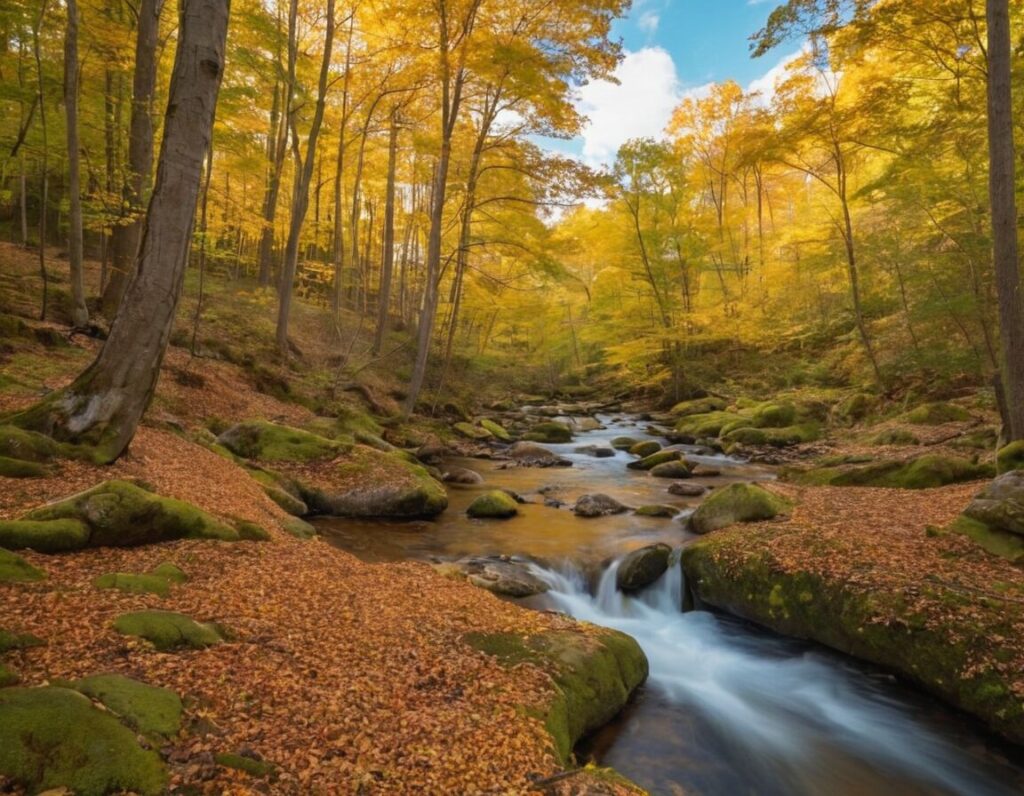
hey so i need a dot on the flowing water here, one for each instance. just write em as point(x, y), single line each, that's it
point(728, 708)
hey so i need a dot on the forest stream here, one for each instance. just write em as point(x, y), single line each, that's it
point(728, 707)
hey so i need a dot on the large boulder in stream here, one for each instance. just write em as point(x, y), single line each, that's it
point(530, 454)
point(597, 505)
point(642, 567)
point(737, 503)
point(594, 672)
point(493, 505)
point(502, 575)
point(550, 432)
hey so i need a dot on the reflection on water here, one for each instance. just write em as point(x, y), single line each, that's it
point(728, 709)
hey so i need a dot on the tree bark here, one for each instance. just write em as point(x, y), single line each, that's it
point(1002, 175)
point(388, 255)
point(101, 409)
point(125, 240)
point(44, 158)
point(79, 312)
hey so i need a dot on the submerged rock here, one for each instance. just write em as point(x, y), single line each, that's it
point(501, 575)
point(597, 451)
point(736, 503)
point(684, 489)
point(496, 504)
point(597, 505)
point(642, 567)
point(656, 510)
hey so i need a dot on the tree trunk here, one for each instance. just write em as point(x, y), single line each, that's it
point(125, 240)
point(79, 312)
point(300, 201)
point(1002, 176)
point(388, 258)
point(101, 409)
point(44, 159)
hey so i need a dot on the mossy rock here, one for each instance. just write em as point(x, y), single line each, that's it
point(299, 528)
point(679, 468)
point(168, 630)
point(640, 568)
point(624, 443)
point(285, 500)
point(934, 414)
point(54, 536)
point(992, 539)
point(18, 468)
point(496, 429)
point(595, 671)
point(793, 435)
point(774, 415)
point(29, 446)
point(699, 406)
point(8, 676)
point(493, 504)
point(272, 442)
point(653, 460)
point(250, 531)
point(281, 489)
point(1010, 457)
point(367, 483)
point(923, 472)
point(55, 737)
point(549, 432)
point(746, 435)
point(171, 572)
point(18, 641)
point(134, 584)
point(656, 510)
point(469, 431)
point(15, 569)
point(737, 503)
point(645, 448)
point(248, 765)
point(151, 710)
point(884, 627)
point(122, 514)
point(707, 425)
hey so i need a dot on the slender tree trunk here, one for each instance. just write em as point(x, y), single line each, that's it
point(79, 312)
point(101, 409)
point(1002, 177)
point(22, 188)
point(203, 206)
point(388, 258)
point(44, 159)
point(338, 243)
point(300, 201)
point(125, 243)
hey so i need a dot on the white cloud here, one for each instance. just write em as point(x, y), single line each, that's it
point(639, 106)
point(766, 84)
point(648, 21)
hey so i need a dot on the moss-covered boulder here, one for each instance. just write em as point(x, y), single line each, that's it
point(170, 572)
point(653, 460)
point(493, 505)
point(550, 432)
point(56, 738)
point(774, 415)
point(623, 443)
point(736, 503)
point(469, 431)
point(134, 584)
point(18, 468)
point(995, 517)
point(15, 569)
point(368, 483)
point(923, 472)
point(594, 673)
point(299, 528)
point(934, 414)
point(152, 711)
point(496, 429)
point(706, 425)
point(169, 630)
point(281, 489)
point(699, 406)
point(113, 514)
point(640, 568)
point(645, 448)
point(656, 510)
point(273, 442)
point(886, 628)
point(1010, 457)
point(680, 468)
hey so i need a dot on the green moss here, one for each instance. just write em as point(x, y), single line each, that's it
point(654, 459)
point(251, 531)
point(300, 529)
point(271, 442)
point(287, 501)
point(550, 432)
point(698, 406)
point(774, 415)
point(54, 536)
point(133, 584)
point(656, 511)
point(17, 443)
point(122, 514)
point(737, 503)
point(1010, 457)
point(645, 449)
point(707, 425)
point(251, 766)
point(935, 414)
point(855, 407)
point(493, 504)
point(168, 630)
point(170, 572)
point(624, 443)
point(15, 569)
point(470, 431)
point(998, 542)
point(674, 469)
point(496, 429)
point(8, 676)
point(746, 436)
point(17, 468)
point(895, 436)
point(55, 737)
point(594, 675)
point(151, 710)
point(18, 641)
point(923, 472)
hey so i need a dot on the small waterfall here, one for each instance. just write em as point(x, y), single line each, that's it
point(788, 716)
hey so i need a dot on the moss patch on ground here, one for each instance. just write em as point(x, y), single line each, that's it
point(168, 630)
point(922, 472)
point(153, 711)
point(15, 569)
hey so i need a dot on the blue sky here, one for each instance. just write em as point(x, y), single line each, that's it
point(673, 48)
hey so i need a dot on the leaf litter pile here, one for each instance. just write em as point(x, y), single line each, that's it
point(346, 677)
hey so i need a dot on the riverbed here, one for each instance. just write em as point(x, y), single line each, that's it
point(729, 708)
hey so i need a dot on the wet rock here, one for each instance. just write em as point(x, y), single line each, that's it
point(496, 504)
point(705, 471)
point(642, 567)
point(653, 460)
point(500, 575)
point(432, 453)
point(461, 475)
point(687, 489)
point(597, 505)
point(553, 503)
point(656, 510)
point(676, 469)
point(736, 503)
point(469, 431)
point(549, 432)
point(645, 449)
point(586, 424)
point(597, 451)
point(624, 443)
point(529, 454)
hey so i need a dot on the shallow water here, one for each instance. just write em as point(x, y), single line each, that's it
point(728, 709)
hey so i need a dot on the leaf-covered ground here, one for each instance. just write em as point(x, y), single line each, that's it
point(348, 677)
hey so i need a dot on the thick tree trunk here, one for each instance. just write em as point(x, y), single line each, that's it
point(1004, 215)
point(388, 258)
point(125, 240)
point(79, 312)
point(101, 409)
